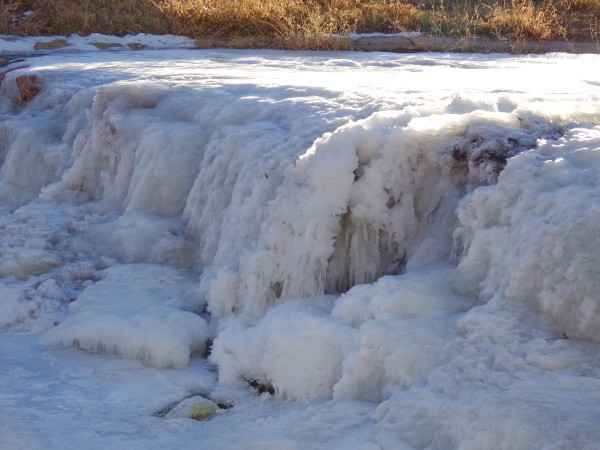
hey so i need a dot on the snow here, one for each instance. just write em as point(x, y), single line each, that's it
point(552, 191)
point(75, 42)
point(135, 312)
point(402, 248)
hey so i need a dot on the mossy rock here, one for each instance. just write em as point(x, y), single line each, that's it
point(197, 408)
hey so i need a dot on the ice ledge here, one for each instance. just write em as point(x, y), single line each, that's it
point(423, 43)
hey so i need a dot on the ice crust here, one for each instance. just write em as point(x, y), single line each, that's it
point(135, 312)
point(412, 236)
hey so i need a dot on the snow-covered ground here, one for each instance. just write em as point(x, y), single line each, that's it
point(404, 249)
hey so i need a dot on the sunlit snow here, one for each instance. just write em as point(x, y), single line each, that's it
point(401, 251)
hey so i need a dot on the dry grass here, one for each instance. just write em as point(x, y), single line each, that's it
point(65, 17)
point(513, 19)
point(304, 24)
point(523, 19)
point(285, 23)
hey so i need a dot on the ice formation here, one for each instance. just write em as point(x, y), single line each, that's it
point(136, 312)
point(340, 236)
point(533, 237)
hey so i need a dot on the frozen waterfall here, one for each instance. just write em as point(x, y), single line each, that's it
point(381, 228)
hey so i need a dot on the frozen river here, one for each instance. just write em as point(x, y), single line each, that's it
point(403, 249)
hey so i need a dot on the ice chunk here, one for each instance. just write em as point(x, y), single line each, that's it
point(135, 312)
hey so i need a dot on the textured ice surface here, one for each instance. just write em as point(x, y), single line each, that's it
point(403, 247)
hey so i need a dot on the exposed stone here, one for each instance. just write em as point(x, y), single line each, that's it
point(260, 387)
point(197, 408)
point(29, 86)
point(51, 45)
point(135, 46)
point(105, 45)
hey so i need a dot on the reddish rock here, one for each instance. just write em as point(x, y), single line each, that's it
point(29, 86)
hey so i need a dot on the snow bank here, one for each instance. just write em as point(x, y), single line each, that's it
point(533, 237)
point(135, 312)
point(92, 42)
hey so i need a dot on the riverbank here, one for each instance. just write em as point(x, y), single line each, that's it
point(449, 25)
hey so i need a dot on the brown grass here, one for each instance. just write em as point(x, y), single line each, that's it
point(65, 17)
point(285, 23)
point(523, 19)
point(304, 24)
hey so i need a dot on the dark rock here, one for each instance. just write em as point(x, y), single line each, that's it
point(261, 387)
point(29, 86)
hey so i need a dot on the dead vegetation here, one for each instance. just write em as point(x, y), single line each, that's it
point(304, 24)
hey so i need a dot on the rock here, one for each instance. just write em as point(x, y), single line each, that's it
point(51, 45)
point(260, 387)
point(105, 45)
point(197, 408)
point(28, 86)
point(135, 46)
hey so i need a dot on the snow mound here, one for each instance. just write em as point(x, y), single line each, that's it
point(534, 236)
point(295, 348)
point(135, 312)
point(402, 326)
point(373, 338)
